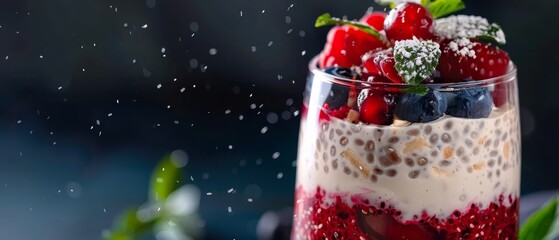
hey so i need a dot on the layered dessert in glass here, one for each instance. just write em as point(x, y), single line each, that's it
point(409, 130)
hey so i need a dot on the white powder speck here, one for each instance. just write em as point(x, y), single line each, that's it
point(465, 26)
point(213, 51)
point(264, 130)
point(280, 175)
point(275, 155)
point(145, 26)
point(159, 86)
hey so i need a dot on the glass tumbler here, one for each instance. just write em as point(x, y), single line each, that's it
point(456, 177)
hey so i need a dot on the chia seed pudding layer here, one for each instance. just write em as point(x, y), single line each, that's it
point(433, 169)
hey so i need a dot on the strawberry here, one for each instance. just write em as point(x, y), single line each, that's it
point(469, 59)
point(408, 20)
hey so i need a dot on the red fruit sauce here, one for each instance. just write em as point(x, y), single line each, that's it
point(322, 215)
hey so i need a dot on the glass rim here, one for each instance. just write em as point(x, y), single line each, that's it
point(507, 77)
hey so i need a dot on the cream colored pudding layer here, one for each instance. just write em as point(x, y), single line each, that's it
point(436, 168)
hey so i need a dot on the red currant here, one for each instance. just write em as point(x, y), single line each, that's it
point(408, 20)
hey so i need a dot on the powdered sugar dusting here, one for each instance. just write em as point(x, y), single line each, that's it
point(463, 47)
point(465, 26)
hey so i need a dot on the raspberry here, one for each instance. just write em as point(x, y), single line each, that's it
point(345, 46)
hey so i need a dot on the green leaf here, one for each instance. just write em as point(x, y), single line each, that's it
point(464, 26)
point(426, 3)
point(494, 33)
point(387, 3)
point(439, 8)
point(165, 180)
point(416, 59)
point(127, 226)
point(327, 20)
point(417, 89)
point(543, 224)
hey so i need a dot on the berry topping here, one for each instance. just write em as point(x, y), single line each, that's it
point(470, 103)
point(375, 20)
point(420, 109)
point(370, 67)
point(462, 26)
point(408, 20)
point(465, 59)
point(376, 107)
point(381, 64)
point(345, 46)
point(501, 94)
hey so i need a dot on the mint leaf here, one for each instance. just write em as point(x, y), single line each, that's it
point(416, 59)
point(426, 3)
point(439, 8)
point(164, 180)
point(543, 224)
point(327, 20)
point(464, 26)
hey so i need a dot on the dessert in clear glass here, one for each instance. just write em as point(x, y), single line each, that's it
point(390, 149)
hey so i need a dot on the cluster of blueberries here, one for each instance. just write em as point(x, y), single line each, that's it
point(416, 108)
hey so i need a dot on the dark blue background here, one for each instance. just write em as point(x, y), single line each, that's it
point(64, 64)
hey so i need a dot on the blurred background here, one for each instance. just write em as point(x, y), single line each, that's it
point(94, 92)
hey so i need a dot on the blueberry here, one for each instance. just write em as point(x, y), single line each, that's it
point(471, 103)
point(419, 109)
point(338, 94)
